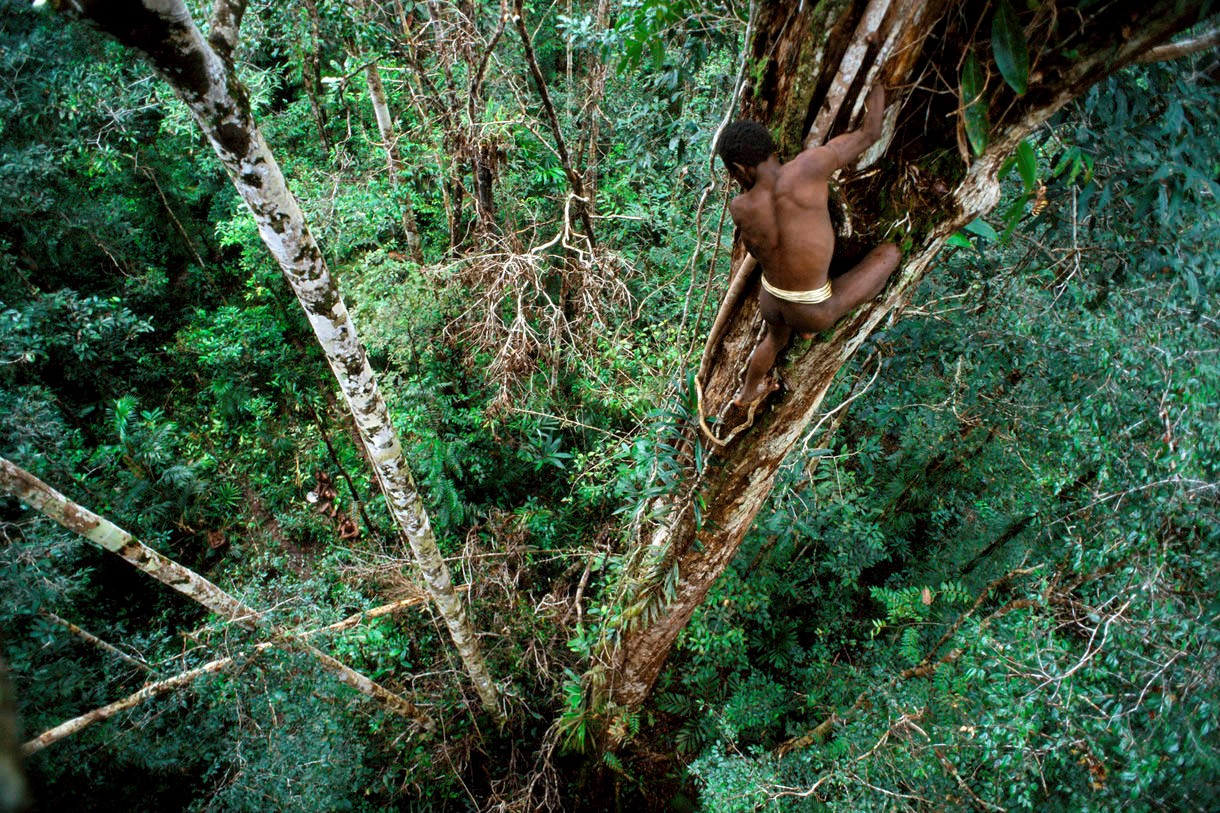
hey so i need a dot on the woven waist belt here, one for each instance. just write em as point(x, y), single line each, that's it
point(801, 297)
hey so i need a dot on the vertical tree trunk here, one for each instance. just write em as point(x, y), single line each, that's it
point(815, 62)
point(595, 70)
point(201, 75)
point(311, 77)
point(389, 140)
point(575, 178)
point(456, 39)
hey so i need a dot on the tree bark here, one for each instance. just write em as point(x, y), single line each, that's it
point(1177, 50)
point(816, 62)
point(164, 31)
point(311, 76)
point(69, 727)
point(575, 178)
point(93, 640)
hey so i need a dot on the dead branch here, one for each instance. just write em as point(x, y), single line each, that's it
point(38, 495)
point(574, 177)
point(69, 727)
point(93, 640)
point(76, 724)
point(359, 618)
point(1181, 48)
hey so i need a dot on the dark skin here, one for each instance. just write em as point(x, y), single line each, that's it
point(785, 224)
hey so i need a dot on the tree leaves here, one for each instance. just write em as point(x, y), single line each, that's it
point(1010, 48)
point(1027, 165)
point(974, 106)
point(1011, 52)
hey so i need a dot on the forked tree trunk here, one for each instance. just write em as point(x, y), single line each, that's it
point(812, 64)
point(201, 74)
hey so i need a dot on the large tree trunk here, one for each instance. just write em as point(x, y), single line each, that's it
point(818, 61)
point(201, 74)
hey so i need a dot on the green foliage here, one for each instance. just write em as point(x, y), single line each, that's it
point(1009, 47)
point(155, 368)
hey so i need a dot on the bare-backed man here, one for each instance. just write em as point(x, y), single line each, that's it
point(785, 225)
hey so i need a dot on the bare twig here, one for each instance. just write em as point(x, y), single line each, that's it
point(93, 640)
point(574, 177)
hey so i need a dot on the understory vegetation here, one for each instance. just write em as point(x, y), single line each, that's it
point(988, 579)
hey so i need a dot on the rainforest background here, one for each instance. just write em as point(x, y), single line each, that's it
point(986, 577)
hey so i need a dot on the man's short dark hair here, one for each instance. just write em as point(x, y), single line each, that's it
point(745, 142)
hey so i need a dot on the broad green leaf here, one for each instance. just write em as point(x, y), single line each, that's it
point(958, 239)
point(657, 49)
point(1070, 156)
point(974, 107)
point(1013, 215)
point(1027, 164)
point(1006, 167)
point(1192, 285)
point(1010, 49)
point(983, 229)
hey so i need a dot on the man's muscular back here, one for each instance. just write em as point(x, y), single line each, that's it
point(785, 223)
point(783, 215)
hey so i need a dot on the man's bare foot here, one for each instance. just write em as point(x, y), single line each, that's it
point(755, 394)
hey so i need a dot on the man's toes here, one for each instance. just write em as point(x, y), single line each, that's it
point(745, 398)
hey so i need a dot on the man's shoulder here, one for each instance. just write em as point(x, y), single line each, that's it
point(814, 161)
point(749, 201)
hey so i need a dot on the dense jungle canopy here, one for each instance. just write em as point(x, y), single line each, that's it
point(365, 427)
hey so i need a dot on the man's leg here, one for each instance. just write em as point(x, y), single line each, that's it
point(864, 281)
point(860, 284)
point(758, 383)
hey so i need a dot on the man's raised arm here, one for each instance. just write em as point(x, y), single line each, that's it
point(845, 149)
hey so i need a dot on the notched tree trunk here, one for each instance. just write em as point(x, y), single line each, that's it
point(812, 64)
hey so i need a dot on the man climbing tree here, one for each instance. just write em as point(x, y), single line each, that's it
point(976, 76)
point(785, 225)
